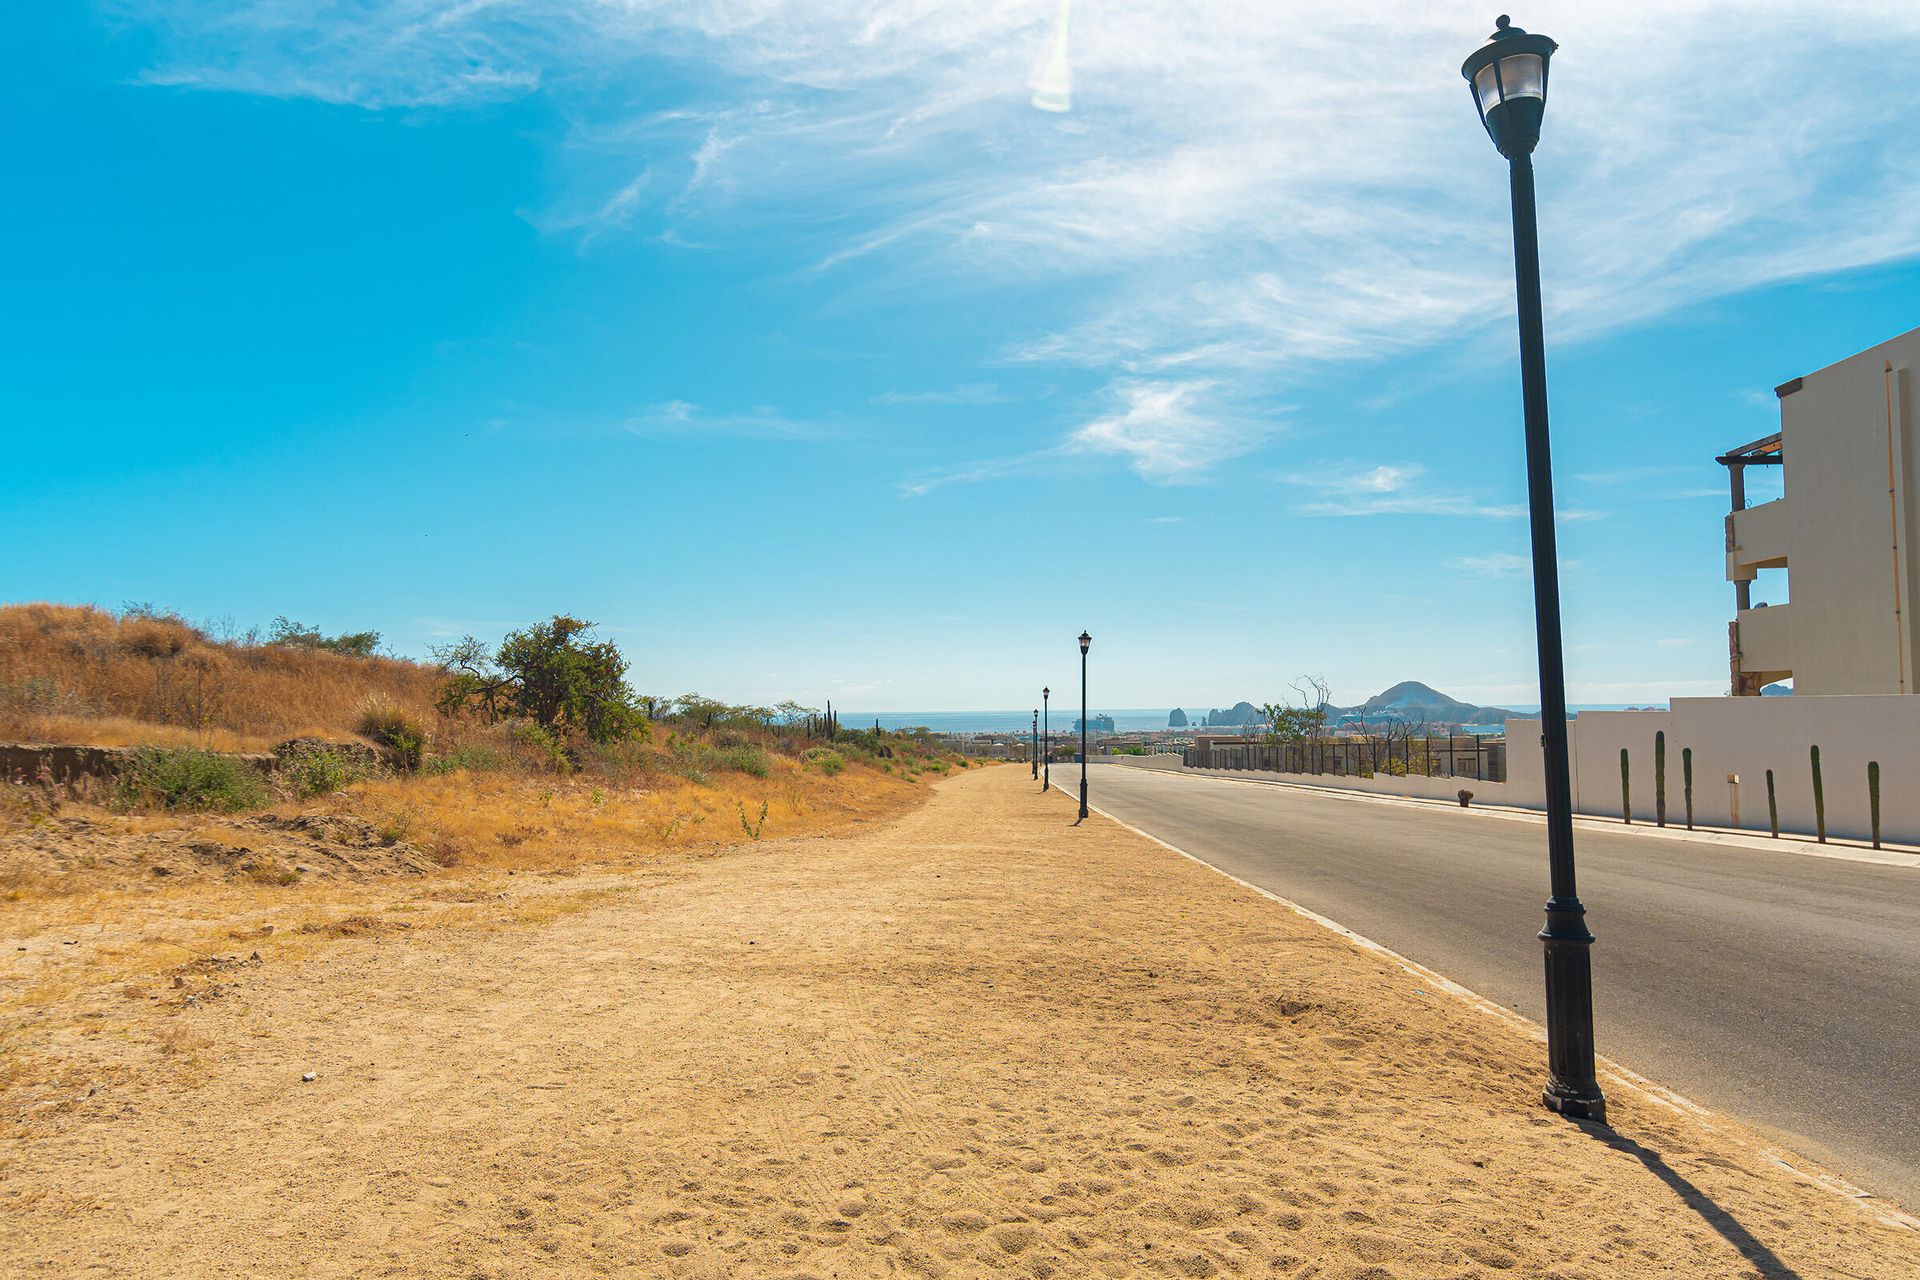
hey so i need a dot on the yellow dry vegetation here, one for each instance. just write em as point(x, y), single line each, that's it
point(503, 821)
point(74, 673)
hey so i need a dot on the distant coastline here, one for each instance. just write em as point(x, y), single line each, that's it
point(1125, 719)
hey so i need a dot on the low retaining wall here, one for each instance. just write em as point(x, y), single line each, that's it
point(64, 764)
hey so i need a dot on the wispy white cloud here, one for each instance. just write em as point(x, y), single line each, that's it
point(1499, 565)
point(684, 418)
point(1168, 431)
point(1240, 188)
point(1390, 489)
point(966, 393)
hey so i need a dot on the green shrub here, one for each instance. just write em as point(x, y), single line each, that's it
point(825, 759)
point(473, 759)
point(321, 770)
point(747, 759)
point(545, 749)
point(188, 778)
point(403, 734)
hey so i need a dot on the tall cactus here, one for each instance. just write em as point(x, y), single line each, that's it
point(1873, 797)
point(1660, 778)
point(1626, 793)
point(1773, 807)
point(1819, 796)
point(1686, 772)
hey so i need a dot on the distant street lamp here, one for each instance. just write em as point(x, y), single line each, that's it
point(1034, 754)
point(1046, 739)
point(1085, 640)
point(1508, 76)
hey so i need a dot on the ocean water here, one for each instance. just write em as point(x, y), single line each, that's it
point(1129, 720)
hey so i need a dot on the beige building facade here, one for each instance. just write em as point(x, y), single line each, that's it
point(1847, 532)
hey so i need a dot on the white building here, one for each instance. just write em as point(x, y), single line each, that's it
point(1847, 533)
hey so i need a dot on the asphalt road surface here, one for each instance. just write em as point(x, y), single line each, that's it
point(1777, 987)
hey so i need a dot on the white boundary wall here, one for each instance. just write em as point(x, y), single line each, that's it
point(1740, 736)
point(1744, 737)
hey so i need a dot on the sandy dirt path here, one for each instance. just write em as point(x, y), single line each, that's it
point(976, 1041)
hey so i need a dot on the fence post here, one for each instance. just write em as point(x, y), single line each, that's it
point(1819, 795)
point(1873, 797)
point(1660, 778)
point(1626, 794)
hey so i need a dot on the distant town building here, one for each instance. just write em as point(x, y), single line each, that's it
point(1847, 532)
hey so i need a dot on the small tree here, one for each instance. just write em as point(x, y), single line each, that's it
point(551, 674)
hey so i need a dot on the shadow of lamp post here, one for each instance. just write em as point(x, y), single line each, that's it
point(1508, 77)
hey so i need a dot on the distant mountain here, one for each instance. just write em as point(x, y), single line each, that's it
point(1777, 691)
point(1412, 701)
point(1176, 719)
point(1409, 701)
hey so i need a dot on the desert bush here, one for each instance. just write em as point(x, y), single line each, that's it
point(403, 734)
point(321, 770)
point(350, 644)
point(549, 674)
point(191, 779)
point(472, 757)
point(748, 759)
point(825, 759)
point(540, 747)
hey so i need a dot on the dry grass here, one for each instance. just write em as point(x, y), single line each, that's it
point(507, 821)
point(74, 673)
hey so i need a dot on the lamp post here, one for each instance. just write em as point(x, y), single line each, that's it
point(1034, 754)
point(1046, 739)
point(1085, 640)
point(1508, 76)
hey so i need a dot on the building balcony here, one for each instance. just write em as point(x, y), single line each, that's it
point(1763, 641)
point(1757, 538)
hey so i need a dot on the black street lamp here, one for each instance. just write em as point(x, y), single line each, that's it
point(1508, 76)
point(1046, 739)
point(1085, 640)
point(1034, 754)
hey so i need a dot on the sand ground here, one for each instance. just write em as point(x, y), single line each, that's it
point(977, 1040)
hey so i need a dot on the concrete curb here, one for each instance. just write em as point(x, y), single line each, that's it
point(1712, 837)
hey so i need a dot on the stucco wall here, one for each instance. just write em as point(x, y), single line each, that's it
point(1747, 737)
point(1854, 597)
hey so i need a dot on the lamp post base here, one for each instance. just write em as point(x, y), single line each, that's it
point(1083, 797)
point(1592, 1108)
point(1572, 1089)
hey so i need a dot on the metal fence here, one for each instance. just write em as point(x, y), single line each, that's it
point(1475, 756)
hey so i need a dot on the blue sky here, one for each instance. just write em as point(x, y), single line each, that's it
point(792, 344)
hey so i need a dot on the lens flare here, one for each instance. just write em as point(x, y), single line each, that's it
point(1052, 81)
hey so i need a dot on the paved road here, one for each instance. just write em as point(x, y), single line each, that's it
point(1777, 987)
